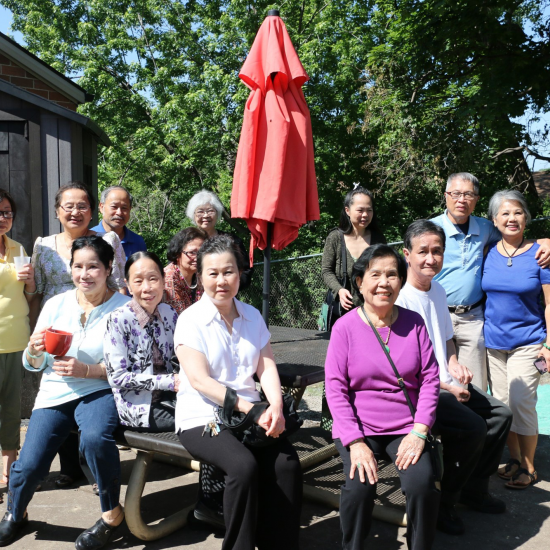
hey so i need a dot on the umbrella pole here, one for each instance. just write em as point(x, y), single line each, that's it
point(267, 274)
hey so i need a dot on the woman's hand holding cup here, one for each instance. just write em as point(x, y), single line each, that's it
point(37, 343)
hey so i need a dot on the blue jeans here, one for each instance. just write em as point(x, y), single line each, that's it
point(97, 418)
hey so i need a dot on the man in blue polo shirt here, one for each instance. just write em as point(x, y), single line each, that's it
point(466, 239)
point(115, 205)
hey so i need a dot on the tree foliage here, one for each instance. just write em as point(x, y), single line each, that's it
point(401, 93)
point(446, 81)
point(165, 78)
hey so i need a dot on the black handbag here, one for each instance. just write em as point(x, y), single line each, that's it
point(433, 444)
point(244, 426)
point(331, 309)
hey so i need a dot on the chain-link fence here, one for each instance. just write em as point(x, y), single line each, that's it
point(298, 290)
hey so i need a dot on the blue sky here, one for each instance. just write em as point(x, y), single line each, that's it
point(5, 21)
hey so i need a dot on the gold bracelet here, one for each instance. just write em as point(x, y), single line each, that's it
point(359, 439)
point(87, 371)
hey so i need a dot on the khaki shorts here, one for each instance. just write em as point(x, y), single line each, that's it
point(515, 381)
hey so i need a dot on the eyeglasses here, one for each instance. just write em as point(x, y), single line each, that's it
point(455, 195)
point(70, 207)
point(6, 214)
point(210, 212)
point(190, 255)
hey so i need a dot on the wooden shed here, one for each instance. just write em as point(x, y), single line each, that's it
point(44, 142)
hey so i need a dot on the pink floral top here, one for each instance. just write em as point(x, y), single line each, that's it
point(177, 292)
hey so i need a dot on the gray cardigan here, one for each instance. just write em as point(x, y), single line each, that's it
point(331, 266)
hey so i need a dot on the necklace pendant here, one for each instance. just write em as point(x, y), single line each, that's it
point(509, 263)
point(387, 348)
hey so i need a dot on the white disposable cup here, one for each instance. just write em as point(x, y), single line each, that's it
point(20, 262)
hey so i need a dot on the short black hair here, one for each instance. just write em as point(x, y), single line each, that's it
point(375, 252)
point(345, 223)
point(100, 246)
point(179, 241)
point(74, 185)
point(422, 227)
point(219, 244)
point(142, 254)
point(5, 195)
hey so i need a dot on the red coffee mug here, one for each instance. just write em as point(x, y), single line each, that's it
point(58, 342)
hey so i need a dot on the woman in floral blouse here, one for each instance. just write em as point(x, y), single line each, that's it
point(139, 343)
point(181, 283)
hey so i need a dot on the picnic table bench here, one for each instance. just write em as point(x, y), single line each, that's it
point(300, 356)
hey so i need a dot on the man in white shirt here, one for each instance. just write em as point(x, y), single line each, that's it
point(473, 425)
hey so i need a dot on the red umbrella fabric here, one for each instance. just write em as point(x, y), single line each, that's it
point(274, 179)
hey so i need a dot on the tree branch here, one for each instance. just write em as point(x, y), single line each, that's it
point(524, 148)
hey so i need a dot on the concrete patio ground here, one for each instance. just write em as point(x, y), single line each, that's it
point(58, 516)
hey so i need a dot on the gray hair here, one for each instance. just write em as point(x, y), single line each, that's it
point(463, 176)
point(105, 193)
point(510, 195)
point(203, 198)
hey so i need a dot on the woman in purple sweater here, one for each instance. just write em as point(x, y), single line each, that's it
point(371, 416)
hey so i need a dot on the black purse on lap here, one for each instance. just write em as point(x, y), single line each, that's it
point(244, 426)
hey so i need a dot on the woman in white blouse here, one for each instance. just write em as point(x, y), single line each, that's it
point(222, 343)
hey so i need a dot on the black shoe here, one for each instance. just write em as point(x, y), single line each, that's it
point(483, 502)
point(95, 537)
point(9, 528)
point(209, 510)
point(448, 520)
point(65, 482)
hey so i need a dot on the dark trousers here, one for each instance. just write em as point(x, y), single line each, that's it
point(161, 419)
point(69, 458)
point(263, 489)
point(417, 484)
point(473, 436)
point(97, 418)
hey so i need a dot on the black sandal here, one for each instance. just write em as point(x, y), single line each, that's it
point(522, 471)
point(507, 474)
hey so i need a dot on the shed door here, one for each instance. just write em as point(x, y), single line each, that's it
point(14, 177)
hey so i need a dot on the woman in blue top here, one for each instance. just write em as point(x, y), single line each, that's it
point(73, 392)
point(515, 329)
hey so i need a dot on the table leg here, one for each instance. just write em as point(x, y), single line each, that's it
point(132, 504)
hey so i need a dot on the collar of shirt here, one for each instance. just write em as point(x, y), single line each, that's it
point(207, 310)
point(451, 229)
point(128, 236)
point(142, 315)
point(12, 249)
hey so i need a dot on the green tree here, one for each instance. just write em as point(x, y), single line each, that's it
point(445, 82)
point(164, 74)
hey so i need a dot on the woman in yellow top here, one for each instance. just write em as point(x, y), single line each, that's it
point(16, 289)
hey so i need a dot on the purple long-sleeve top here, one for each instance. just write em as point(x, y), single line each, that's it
point(361, 388)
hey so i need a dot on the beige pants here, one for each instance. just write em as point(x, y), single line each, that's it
point(514, 381)
point(470, 344)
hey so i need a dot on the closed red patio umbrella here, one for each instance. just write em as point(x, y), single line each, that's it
point(274, 183)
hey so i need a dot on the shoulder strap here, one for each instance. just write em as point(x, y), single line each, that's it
point(398, 376)
point(344, 259)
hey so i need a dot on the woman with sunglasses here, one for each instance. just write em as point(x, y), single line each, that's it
point(16, 289)
point(181, 285)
